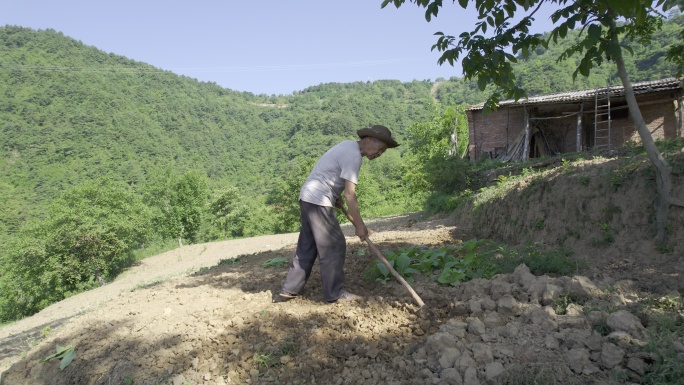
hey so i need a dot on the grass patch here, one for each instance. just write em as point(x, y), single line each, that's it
point(668, 368)
point(277, 263)
point(224, 262)
point(556, 262)
point(147, 285)
point(154, 248)
point(442, 202)
point(606, 238)
point(267, 359)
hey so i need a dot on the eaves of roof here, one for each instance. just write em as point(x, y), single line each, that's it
point(572, 96)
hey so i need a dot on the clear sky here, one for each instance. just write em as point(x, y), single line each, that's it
point(263, 47)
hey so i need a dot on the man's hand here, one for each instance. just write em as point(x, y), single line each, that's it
point(361, 232)
point(339, 204)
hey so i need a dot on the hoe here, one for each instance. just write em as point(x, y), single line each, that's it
point(384, 260)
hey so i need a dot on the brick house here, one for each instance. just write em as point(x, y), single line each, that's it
point(573, 121)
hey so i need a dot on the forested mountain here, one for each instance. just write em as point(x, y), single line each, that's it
point(100, 152)
point(71, 112)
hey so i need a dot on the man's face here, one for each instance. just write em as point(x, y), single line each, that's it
point(377, 149)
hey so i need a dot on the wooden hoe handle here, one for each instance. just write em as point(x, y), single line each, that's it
point(385, 262)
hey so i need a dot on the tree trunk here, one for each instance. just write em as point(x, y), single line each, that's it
point(662, 168)
point(454, 138)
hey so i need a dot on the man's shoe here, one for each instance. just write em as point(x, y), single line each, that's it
point(348, 297)
point(287, 295)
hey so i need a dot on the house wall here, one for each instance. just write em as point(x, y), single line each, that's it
point(491, 133)
point(494, 131)
point(659, 115)
point(661, 119)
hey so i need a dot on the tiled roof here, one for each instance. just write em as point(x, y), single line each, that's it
point(616, 91)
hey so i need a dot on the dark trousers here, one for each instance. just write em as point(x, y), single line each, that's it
point(320, 237)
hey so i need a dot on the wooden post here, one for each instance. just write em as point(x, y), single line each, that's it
point(526, 144)
point(578, 143)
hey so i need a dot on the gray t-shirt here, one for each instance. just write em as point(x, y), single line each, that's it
point(326, 181)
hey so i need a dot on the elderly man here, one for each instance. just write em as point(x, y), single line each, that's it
point(337, 171)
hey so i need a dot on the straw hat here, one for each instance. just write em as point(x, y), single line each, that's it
point(380, 132)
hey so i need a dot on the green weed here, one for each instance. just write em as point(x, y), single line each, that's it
point(666, 303)
point(64, 354)
point(224, 262)
point(560, 304)
point(569, 233)
point(277, 262)
point(606, 238)
point(46, 331)
point(554, 262)
point(147, 285)
point(267, 360)
point(610, 211)
point(602, 327)
point(670, 145)
point(503, 179)
point(615, 178)
point(668, 368)
point(230, 261)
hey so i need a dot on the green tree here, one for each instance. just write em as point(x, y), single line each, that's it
point(429, 166)
point(489, 58)
point(179, 202)
point(228, 214)
point(88, 237)
point(96, 226)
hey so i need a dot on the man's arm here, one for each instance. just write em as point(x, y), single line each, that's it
point(353, 208)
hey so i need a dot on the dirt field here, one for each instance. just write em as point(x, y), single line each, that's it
point(205, 314)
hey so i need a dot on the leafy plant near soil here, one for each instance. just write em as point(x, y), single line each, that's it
point(471, 259)
point(400, 261)
point(65, 354)
point(450, 265)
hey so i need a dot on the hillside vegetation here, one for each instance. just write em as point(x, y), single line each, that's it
point(104, 160)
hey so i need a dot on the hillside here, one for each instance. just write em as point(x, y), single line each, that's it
point(209, 318)
point(73, 113)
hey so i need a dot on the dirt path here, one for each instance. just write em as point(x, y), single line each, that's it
point(433, 91)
